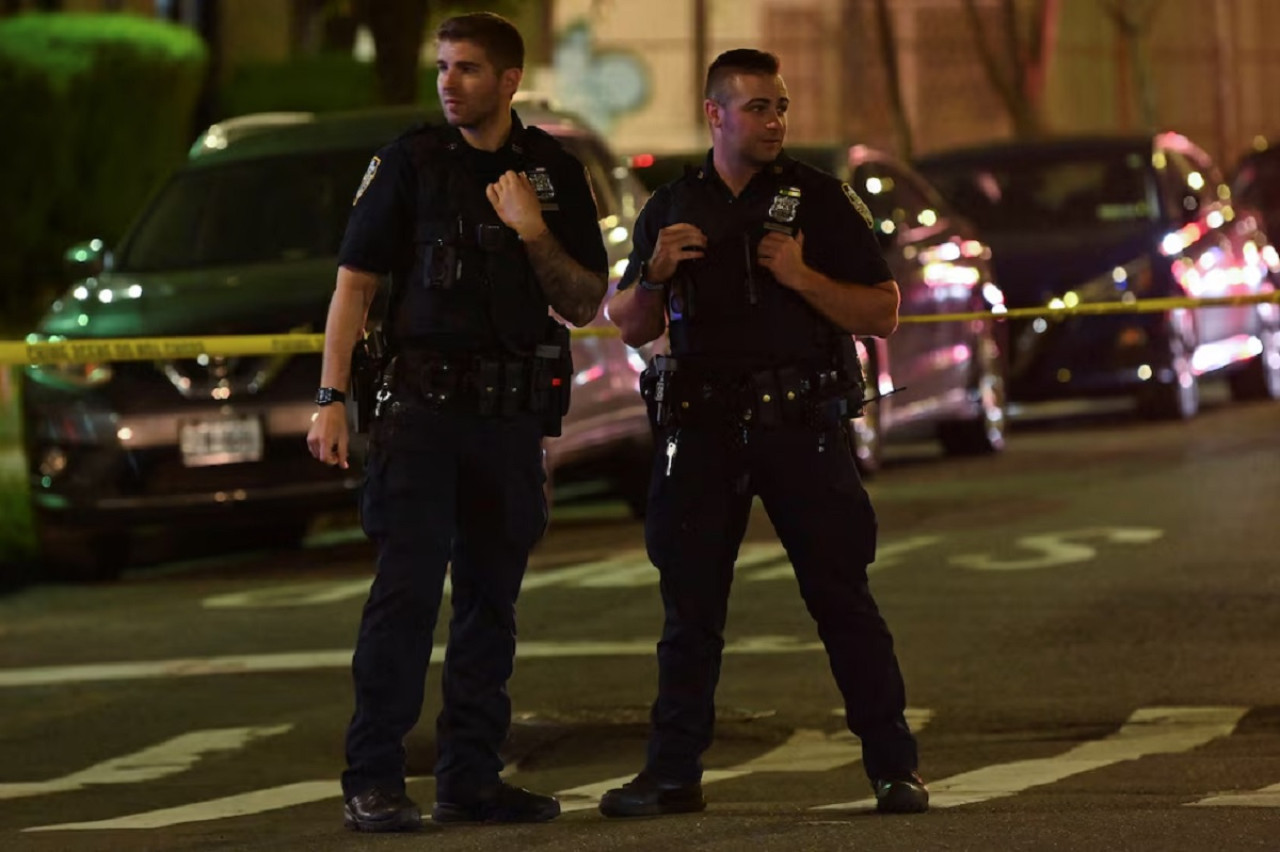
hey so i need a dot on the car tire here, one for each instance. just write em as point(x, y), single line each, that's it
point(1260, 376)
point(75, 555)
point(867, 438)
point(985, 433)
point(1179, 397)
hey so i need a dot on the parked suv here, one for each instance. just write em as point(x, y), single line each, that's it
point(243, 240)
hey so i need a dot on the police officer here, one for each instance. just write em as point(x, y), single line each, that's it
point(761, 267)
point(481, 224)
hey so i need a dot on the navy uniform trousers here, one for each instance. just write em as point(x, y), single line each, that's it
point(697, 516)
point(443, 487)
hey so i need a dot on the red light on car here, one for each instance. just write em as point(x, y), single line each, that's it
point(642, 161)
point(557, 382)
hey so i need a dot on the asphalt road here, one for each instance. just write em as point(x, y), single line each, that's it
point(1087, 624)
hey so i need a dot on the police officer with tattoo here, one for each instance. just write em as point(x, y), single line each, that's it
point(481, 225)
point(761, 268)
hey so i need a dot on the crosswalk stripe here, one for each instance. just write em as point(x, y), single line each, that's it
point(341, 659)
point(158, 761)
point(242, 804)
point(227, 807)
point(1151, 730)
point(804, 751)
point(1267, 797)
point(1148, 731)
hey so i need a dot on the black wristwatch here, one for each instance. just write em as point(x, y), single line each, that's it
point(643, 280)
point(328, 396)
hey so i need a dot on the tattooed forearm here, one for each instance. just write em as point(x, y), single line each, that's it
point(574, 291)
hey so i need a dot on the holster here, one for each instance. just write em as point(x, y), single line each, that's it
point(657, 383)
point(551, 378)
point(369, 376)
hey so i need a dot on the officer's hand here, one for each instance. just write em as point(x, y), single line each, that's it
point(783, 256)
point(517, 205)
point(327, 438)
point(677, 242)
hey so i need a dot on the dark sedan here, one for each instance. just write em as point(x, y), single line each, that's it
point(1102, 219)
point(952, 372)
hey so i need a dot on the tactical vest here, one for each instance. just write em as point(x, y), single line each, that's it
point(471, 287)
point(726, 309)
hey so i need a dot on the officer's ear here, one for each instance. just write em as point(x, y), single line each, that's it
point(713, 111)
point(509, 81)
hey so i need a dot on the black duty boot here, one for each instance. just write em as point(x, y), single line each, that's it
point(905, 794)
point(503, 803)
point(645, 795)
point(378, 810)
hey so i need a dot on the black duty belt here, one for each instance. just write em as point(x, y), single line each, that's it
point(760, 399)
point(489, 385)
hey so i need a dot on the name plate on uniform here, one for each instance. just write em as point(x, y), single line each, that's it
point(222, 440)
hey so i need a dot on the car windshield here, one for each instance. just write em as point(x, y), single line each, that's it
point(268, 210)
point(1020, 194)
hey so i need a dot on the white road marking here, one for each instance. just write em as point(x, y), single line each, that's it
point(227, 807)
point(1151, 730)
point(1267, 797)
point(341, 659)
point(159, 761)
point(757, 561)
point(804, 751)
point(888, 555)
point(243, 804)
point(1058, 548)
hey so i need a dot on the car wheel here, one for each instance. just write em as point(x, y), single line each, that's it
point(74, 555)
point(1260, 377)
point(984, 433)
point(868, 445)
point(1176, 394)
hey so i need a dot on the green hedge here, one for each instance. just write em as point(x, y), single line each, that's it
point(17, 537)
point(322, 83)
point(100, 109)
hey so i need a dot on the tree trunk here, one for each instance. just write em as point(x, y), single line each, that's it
point(397, 27)
point(893, 80)
point(1133, 19)
point(1019, 76)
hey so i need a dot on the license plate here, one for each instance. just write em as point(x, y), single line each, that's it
point(222, 441)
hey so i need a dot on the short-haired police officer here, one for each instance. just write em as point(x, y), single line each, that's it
point(761, 267)
point(482, 224)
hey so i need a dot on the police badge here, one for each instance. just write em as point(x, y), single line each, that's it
point(783, 210)
point(368, 179)
point(859, 205)
point(543, 187)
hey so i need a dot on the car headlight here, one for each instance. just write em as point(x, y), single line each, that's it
point(78, 376)
point(71, 375)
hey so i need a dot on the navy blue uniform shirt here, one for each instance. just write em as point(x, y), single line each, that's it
point(380, 231)
point(779, 326)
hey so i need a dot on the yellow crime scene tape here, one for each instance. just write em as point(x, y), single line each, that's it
point(96, 350)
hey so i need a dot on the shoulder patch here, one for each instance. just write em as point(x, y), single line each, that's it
point(369, 175)
point(858, 204)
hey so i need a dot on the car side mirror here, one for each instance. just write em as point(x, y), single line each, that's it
point(84, 260)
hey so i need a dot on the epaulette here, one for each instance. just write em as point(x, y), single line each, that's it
point(538, 143)
point(694, 171)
